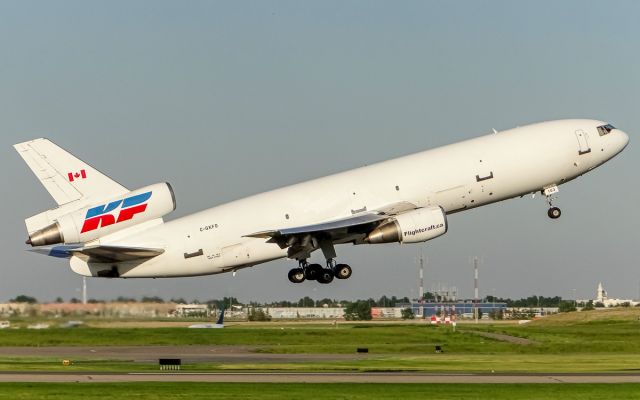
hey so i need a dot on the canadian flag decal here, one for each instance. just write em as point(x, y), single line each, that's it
point(77, 175)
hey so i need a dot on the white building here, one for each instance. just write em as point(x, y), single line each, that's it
point(603, 298)
point(305, 312)
point(189, 310)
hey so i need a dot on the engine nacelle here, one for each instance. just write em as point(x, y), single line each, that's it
point(119, 213)
point(411, 227)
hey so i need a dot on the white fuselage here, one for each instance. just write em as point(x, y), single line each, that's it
point(456, 177)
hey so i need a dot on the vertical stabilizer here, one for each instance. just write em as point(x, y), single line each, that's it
point(220, 321)
point(66, 177)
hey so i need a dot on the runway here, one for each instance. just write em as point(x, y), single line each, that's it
point(259, 377)
point(188, 354)
point(245, 354)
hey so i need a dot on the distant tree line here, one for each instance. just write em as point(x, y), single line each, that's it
point(531, 301)
point(354, 306)
point(227, 302)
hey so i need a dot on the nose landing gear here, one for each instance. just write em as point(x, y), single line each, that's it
point(554, 212)
point(548, 192)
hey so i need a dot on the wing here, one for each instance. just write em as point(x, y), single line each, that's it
point(302, 240)
point(66, 177)
point(101, 254)
point(333, 228)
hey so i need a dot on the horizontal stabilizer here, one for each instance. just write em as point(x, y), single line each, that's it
point(101, 254)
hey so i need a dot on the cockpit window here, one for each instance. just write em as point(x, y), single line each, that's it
point(605, 129)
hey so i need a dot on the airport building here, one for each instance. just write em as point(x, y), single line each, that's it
point(462, 308)
point(305, 312)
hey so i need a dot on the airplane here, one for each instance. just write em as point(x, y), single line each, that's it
point(106, 230)
point(218, 325)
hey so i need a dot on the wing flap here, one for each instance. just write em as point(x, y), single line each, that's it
point(326, 227)
point(300, 241)
point(338, 224)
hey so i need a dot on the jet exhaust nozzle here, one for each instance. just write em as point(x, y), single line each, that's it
point(48, 235)
point(386, 233)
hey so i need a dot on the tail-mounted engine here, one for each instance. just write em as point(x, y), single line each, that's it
point(99, 220)
point(411, 227)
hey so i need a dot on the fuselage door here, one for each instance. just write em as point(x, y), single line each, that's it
point(583, 142)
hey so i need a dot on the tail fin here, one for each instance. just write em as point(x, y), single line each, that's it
point(221, 317)
point(66, 177)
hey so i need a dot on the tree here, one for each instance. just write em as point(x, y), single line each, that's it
point(225, 303)
point(384, 301)
point(589, 306)
point(428, 296)
point(567, 306)
point(358, 311)
point(123, 299)
point(407, 313)
point(152, 299)
point(258, 314)
point(23, 298)
point(306, 302)
point(328, 302)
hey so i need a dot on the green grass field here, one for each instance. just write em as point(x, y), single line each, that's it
point(576, 342)
point(595, 336)
point(285, 339)
point(192, 390)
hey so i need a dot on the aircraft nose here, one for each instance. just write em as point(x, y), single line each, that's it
point(623, 139)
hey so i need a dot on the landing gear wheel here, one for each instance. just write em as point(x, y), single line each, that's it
point(312, 271)
point(325, 276)
point(296, 275)
point(554, 213)
point(343, 271)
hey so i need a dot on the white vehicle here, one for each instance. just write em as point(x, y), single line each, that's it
point(5, 324)
point(106, 230)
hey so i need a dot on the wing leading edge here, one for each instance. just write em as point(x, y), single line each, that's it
point(302, 240)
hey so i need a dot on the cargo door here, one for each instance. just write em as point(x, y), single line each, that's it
point(583, 142)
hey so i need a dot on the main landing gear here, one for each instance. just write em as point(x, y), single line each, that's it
point(316, 272)
point(553, 212)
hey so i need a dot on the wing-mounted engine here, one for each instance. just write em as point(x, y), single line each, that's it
point(413, 226)
point(98, 220)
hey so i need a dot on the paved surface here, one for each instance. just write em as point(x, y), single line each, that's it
point(188, 354)
point(245, 354)
point(320, 377)
point(502, 337)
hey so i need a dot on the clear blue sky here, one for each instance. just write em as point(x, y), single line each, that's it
point(227, 99)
